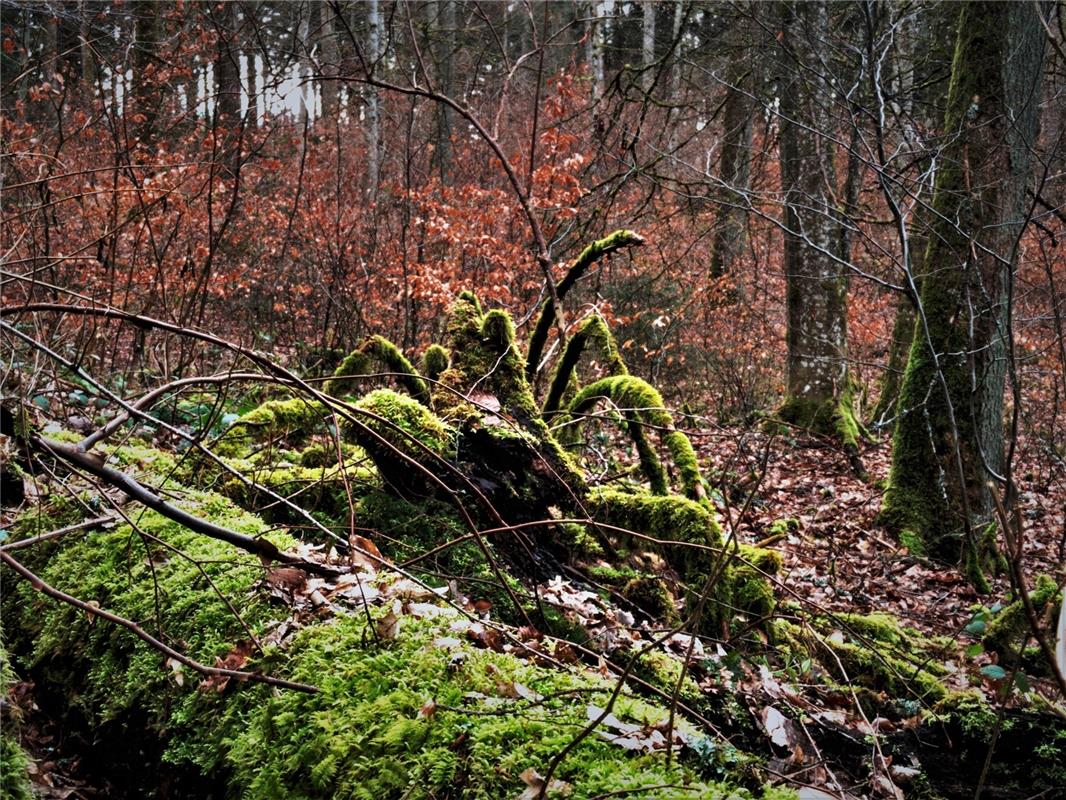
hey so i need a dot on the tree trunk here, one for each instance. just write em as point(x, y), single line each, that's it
point(949, 434)
point(228, 68)
point(373, 103)
point(328, 55)
point(819, 387)
point(924, 62)
point(648, 43)
point(731, 217)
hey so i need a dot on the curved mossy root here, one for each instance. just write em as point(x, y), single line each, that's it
point(270, 421)
point(379, 728)
point(923, 523)
point(642, 405)
point(377, 349)
point(589, 256)
point(593, 331)
point(872, 651)
point(687, 535)
point(1009, 631)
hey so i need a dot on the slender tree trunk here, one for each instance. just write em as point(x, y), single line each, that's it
point(819, 392)
point(373, 110)
point(88, 61)
point(329, 58)
point(648, 43)
point(228, 67)
point(925, 40)
point(598, 9)
point(949, 435)
point(446, 35)
point(307, 98)
point(250, 12)
point(731, 216)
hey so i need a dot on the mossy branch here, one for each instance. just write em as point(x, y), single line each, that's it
point(380, 349)
point(593, 330)
point(94, 465)
point(589, 256)
point(643, 405)
point(291, 415)
point(435, 361)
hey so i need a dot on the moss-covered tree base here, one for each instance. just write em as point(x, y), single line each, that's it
point(835, 417)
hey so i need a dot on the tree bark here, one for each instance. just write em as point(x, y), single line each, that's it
point(819, 393)
point(329, 59)
point(949, 434)
point(648, 43)
point(731, 217)
point(228, 67)
point(373, 102)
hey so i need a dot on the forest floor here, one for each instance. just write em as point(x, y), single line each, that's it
point(809, 504)
point(797, 494)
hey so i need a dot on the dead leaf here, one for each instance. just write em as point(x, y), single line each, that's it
point(534, 782)
point(177, 669)
point(388, 627)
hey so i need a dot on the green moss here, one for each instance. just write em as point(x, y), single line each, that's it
point(593, 331)
point(834, 416)
point(377, 349)
point(107, 671)
point(663, 672)
point(504, 367)
point(642, 405)
point(879, 627)
point(900, 673)
point(783, 527)
point(273, 419)
point(14, 762)
point(650, 595)
point(974, 716)
point(320, 490)
point(395, 719)
point(435, 361)
point(742, 588)
point(611, 575)
point(1036, 741)
point(911, 540)
point(1009, 629)
point(399, 420)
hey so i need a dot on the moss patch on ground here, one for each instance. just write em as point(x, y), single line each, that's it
point(422, 715)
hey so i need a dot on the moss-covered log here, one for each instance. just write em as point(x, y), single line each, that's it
point(377, 349)
point(408, 711)
point(689, 538)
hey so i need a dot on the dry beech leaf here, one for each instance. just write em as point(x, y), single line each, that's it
point(388, 627)
point(406, 589)
point(177, 670)
point(534, 782)
point(778, 727)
